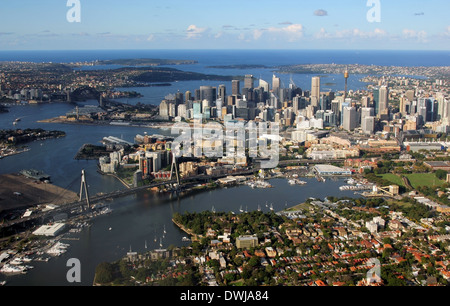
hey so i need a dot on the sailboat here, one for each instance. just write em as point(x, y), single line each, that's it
point(146, 244)
point(259, 208)
point(271, 207)
point(213, 210)
point(240, 209)
point(160, 243)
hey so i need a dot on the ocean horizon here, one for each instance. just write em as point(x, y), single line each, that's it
point(268, 57)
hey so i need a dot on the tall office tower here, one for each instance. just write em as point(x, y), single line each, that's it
point(367, 112)
point(219, 104)
point(208, 93)
point(410, 94)
point(197, 109)
point(368, 125)
point(188, 96)
point(236, 88)
point(446, 114)
point(164, 109)
point(329, 118)
point(324, 102)
point(197, 95)
point(248, 81)
point(336, 109)
point(276, 84)
point(384, 98)
point(381, 99)
point(365, 102)
point(350, 118)
point(182, 110)
point(263, 84)
point(231, 100)
point(315, 87)
point(346, 75)
point(296, 104)
point(403, 101)
point(179, 98)
point(222, 94)
point(440, 98)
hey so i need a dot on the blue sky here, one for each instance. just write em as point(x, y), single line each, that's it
point(230, 24)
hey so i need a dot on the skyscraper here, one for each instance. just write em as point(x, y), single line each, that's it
point(222, 92)
point(208, 93)
point(276, 83)
point(380, 99)
point(384, 98)
point(350, 118)
point(236, 87)
point(315, 87)
point(248, 81)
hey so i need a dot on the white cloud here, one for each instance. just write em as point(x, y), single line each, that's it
point(320, 13)
point(351, 34)
point(290, 33)
point(194, 32)
point(421, 36)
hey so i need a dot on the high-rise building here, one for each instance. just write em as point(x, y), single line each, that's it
point(208, 93)
point(276, 83)
point(164, 110)
point(384, 98)
point(263, 84)
point(350, 118)
point(368, 124)
point(222, 94)
point(236, 87)
point(315, 87)
point(381, 99)
point(365, 102)
point(188, 96)
point(248, 81)
point(410, 94)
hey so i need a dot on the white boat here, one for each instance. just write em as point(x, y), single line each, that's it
point(271, 207)
point(185, 239)
point(145, 243)
point(16, 261)
point(240, 209)
point(58, 249)
point(13, 269)
point(2, 283)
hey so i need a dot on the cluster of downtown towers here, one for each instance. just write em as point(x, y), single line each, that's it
point(287, 106)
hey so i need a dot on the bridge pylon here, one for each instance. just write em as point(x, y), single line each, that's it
point(85, 188)
point(174, 167)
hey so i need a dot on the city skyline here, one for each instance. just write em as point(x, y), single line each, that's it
point(232, 25)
